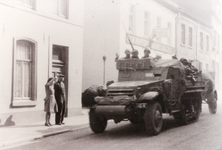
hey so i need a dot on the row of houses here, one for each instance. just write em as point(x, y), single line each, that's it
point(80, 38)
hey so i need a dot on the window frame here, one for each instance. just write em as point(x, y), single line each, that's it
point(207, 66)
point(207, 43)
point(32, 6)
point(146, 23)
point(131, 18)
point(158, 25)
point(16, 102)
point(201, 41)
point(169, 25)
point(183, 34)
point(57, 8)
point(190, 33)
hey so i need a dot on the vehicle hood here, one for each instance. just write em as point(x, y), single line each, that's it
point(131, 84)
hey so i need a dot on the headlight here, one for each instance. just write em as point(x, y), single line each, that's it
point(138, 93)
point(141, 105)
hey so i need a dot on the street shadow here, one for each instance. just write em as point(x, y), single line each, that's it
point(8, 122)
point(61, 128)
point(26, 126)
point(135, 130)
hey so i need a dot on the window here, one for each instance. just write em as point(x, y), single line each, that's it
point(218, 41)
point(183, 34)
point(159, 22)
point(131, 18)
point(207, 66)
point(201, 66)
point(60, 8)
point(190, 37)
point(207, 43)
point(24, 71)
point(158, 25)
point(213, 65)
point(214, 39)
point(146, 23)
point(201, 40)
point(170, 32)
point(27, 3)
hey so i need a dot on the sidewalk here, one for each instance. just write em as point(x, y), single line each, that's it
point(11, 135)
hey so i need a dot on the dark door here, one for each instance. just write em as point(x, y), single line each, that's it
point(59, 65)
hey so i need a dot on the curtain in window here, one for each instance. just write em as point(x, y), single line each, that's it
point(23, 70)
point(18, 80)
point(27, 79)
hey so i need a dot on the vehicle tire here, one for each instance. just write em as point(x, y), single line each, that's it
point(97, 124)
point(153, 118)
point(212, 107)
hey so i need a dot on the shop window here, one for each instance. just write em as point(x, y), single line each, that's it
point(24, 73)
point(60, 8)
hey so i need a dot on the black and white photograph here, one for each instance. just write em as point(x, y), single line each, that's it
point(111, 74)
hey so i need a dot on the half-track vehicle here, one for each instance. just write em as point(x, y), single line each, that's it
point(145, 89)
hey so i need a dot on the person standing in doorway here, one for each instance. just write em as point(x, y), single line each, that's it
point(50, 105)
point(60, 96)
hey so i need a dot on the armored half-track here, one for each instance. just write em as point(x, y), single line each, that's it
point(145, 89)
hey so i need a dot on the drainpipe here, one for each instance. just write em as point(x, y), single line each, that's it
point(196, 41)
point(176, 33)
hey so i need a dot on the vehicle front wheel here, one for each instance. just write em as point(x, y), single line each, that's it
point(153, 118)
point(97, 124)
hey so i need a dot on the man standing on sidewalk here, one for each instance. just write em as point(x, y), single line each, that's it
point(60, 96)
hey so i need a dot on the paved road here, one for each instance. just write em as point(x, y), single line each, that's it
point(206, 134)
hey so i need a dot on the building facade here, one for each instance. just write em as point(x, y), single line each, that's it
point(168, 27)
point(199, 34)
point(108, 26)
point(37, 40)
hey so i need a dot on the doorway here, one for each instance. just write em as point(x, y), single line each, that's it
point(60, 66)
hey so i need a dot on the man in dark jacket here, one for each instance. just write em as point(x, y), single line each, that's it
point(60, 96)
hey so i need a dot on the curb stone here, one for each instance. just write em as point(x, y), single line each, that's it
point(36, 137)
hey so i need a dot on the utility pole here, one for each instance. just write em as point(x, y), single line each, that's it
point(104, 71)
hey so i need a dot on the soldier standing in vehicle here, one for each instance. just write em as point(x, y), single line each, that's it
point(127, 52)
point(135, 54)
point(146, 53)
